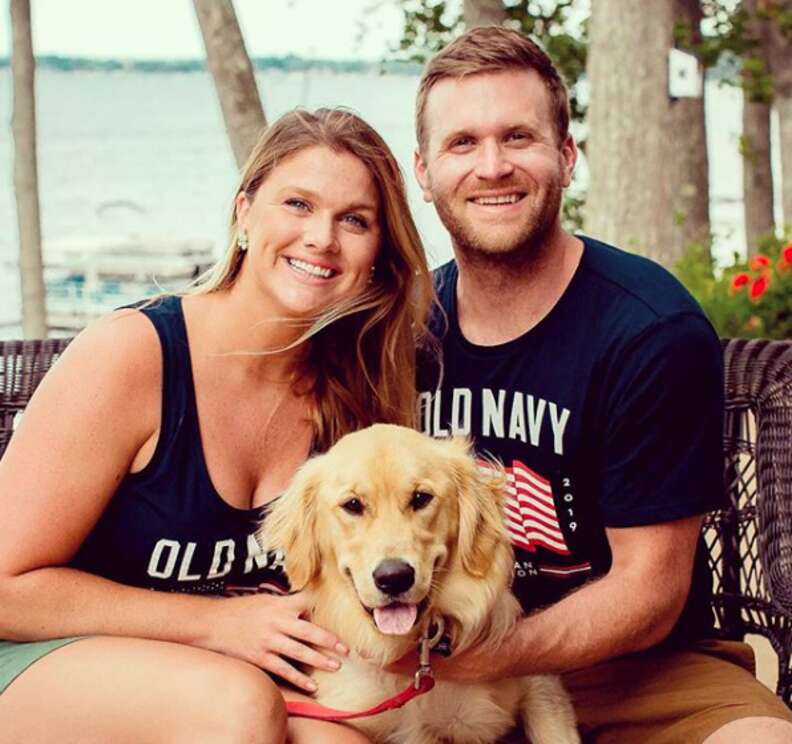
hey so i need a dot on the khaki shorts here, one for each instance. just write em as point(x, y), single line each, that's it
point(664, 696)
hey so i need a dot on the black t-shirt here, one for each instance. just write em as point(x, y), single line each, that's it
point(608, 413)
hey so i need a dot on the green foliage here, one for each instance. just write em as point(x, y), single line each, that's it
point(572, 212)
point(757, 81)
point(750, 299)
point(725, 31)
point(730, 32)
point(429, 25)
point(778, 12)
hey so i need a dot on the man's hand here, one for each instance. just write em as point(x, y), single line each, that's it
point(649, 581)
point(483, 663)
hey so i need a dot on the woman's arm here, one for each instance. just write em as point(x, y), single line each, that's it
point(95, 413)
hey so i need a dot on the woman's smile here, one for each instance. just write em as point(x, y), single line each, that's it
point(311, 270)
point(314, 233)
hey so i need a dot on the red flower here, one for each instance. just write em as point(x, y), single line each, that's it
point(759, 262)
point(786, 254)
point(758, 287)
point(739, 281)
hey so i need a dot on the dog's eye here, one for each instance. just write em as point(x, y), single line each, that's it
point(420, 499)
point(353, 506)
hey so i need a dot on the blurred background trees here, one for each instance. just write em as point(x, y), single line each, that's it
point(644, 183)
point(483, 13)
point(558, 25)
point(23, 126)
point(646, 150)
point(232, 72)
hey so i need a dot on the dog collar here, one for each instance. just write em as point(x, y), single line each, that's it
point(422, 683)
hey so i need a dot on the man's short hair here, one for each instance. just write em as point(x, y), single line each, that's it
point(492, 49)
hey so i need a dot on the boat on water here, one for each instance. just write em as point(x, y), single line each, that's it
point(86, 278)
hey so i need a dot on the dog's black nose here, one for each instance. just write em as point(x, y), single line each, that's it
point(393, 576)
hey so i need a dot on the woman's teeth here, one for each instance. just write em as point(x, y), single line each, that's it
point(309, 268)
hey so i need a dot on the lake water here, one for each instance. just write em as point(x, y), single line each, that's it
point(130, 154)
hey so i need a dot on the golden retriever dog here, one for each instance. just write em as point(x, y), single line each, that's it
point(390, 530)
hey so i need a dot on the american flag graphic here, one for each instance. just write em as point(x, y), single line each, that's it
point(531, 517)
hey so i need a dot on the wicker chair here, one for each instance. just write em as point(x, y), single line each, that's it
point(749, 541)
point(22, 365)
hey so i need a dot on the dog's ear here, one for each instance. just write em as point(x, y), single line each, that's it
point(290, 527)
point(480, 493)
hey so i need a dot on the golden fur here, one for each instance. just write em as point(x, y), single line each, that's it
point(462, 560)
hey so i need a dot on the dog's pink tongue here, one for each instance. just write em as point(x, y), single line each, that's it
point(396, 618)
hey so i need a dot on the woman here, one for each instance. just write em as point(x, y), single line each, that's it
point(149, 453)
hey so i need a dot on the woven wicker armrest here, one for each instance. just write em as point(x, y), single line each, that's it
point(750, 540)
point(23, 364)
point(759, 376)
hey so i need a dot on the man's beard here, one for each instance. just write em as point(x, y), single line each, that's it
point(523, 247)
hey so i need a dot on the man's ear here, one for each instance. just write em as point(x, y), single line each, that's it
point(569, 154)
point(422, 175)
point(290, 527)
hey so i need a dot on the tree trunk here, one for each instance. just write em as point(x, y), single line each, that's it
point(23, 125)
point(755, 143)
point(757, 172)
point(779, 54)
point(647, 153)
point(483, 13)
point(784, 107)
point(233, 75)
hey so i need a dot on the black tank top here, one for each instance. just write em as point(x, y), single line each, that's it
point(166, 527)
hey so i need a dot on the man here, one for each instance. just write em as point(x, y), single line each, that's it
point(595, 378)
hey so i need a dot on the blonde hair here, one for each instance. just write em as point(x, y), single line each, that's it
point(361, 354)
point(492, 49)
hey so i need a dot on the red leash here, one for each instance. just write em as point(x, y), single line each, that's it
point(313, 710)
point(424, 681)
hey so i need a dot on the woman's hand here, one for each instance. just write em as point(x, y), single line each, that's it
point(265, 628)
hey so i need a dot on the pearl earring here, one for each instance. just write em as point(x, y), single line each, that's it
point(242, 241)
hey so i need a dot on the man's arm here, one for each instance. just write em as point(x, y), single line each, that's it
point(634, 606)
